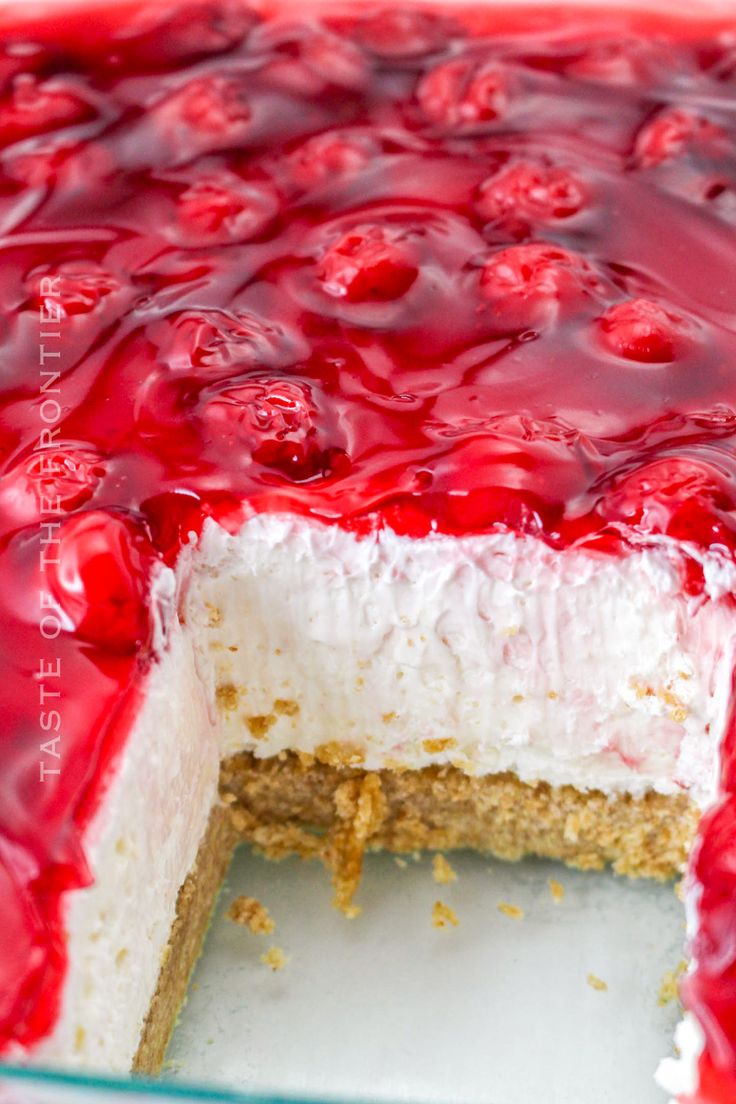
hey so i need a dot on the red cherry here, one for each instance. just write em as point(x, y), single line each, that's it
point(463, 92)
point(56, 164)
point(617, 62)
point(667, 135)
point(206, 113)
point(160, 34)
point(40, 167)
point(101, 580)
point(529, 190)
point(307, 59)
point(529, 284)
point(171, 516)
point(405, 32)
point(332, 154)
point(337, 60)
point(370, 262)
point(643, 331)
point(675, 495)
point(51, 481)
point(274, 418)
point(35, 107)
point(72, 287)
point(212, 344)
point(215, 104)
point(220, 209)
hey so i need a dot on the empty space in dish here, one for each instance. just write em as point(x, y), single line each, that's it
point(386, 1007)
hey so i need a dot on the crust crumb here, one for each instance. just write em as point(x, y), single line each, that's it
point(434, 747)
point(669, 990)
point(242, 821)
point(279, 841)
point(512, 911)
point(597, 983)
point(443, 916)
point(557, 890)
point(394, 765)
point(360, 809)
point(274, 958)
point(286, 707)
point(227, 697)
point(442, 872)
point(336, 754)
point(252, 915)
point(214, 615)
point(258, 726)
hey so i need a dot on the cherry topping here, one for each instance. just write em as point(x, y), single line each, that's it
point(677, 495)
point(404, 32)
point(57, 163)
point(333, 154)
point(72, 287)
point(212, 345)
point(275, 419)
point(610, 62)
point(643, 331)
point(34, 107)
point(309, 60)
point(529, 284)
point(208, 113)
point(223, 208)
point(184, 31)
point(101, 580)
point(669, 133)
point(370, 262)
point(51, 481)
point(335, 59)
point(530, 190)
point(463, 92)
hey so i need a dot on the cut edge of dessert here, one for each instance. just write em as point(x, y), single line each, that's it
point(226, 759)
point(378, 488)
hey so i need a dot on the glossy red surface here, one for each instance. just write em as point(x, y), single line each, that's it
point(441, 271)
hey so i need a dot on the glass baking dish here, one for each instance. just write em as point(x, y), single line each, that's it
point(563, 1000)
point(499, 1010)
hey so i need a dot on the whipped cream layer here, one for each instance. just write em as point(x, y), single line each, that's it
point(491, 653)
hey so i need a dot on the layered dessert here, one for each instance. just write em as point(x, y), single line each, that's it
point(367, 475)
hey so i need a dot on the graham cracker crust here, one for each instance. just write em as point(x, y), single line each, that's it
point(297, 805)
point(291, 804)
point(193, 910)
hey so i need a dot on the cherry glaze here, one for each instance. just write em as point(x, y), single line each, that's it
point(443, 271)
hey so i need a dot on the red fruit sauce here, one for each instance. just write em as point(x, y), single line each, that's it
point(439, 270)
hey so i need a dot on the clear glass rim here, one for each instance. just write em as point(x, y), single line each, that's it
point(112, 1083)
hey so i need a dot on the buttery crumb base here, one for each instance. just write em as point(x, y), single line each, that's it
point(296, 805)
point(285, 805)
point(193, 910)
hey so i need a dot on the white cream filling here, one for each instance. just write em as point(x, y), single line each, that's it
point(141, 846)
point(679, 1076)
point(493, 653)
